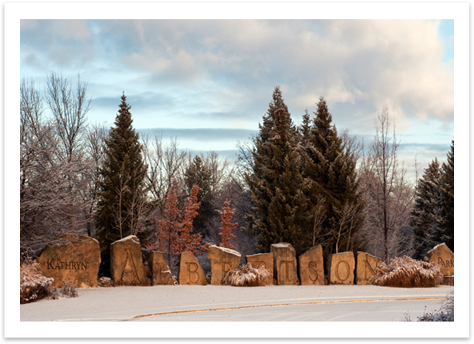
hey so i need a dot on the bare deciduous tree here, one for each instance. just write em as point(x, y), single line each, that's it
point(95, 152)
point(166, 165)
point(388, 194)
point(69, 107)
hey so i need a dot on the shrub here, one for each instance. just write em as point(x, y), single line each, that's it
point(407, 272)
point(34, 286)
point(247, 276)
point(445, 313)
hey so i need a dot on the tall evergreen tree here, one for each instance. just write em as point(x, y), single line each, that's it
point(425, 209)
point(123, 208)
point(446, 218)
point(277, 185)
point(330, 167)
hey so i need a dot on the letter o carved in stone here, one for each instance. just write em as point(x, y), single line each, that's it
point(347, 269)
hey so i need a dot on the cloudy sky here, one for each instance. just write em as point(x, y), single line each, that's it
point(208, 80)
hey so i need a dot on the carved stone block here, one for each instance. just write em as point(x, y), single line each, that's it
point(444, 257)
point(161, 274)
point(311, 266)
point(74, 258)
point(126, 263)
point(190, 271)
point(341, 268)
point(284, 264)
point(222, 260)
point(265, 260)
point(366, 264)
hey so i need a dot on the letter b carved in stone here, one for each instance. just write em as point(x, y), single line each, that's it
point(190, 271)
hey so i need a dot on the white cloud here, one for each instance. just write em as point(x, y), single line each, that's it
point(364, 64)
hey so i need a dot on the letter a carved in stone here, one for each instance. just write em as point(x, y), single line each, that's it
point(129, 271)
point(126, 262)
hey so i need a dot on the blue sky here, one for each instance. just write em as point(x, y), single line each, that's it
point(209, 82)
point(206, 72)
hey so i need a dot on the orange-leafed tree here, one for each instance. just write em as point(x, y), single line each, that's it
point(188, 241)
point(168, 227)
point(173, 233)
point(227, 226)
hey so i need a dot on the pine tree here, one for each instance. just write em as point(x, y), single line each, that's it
point(277, 185)
point(330, 168)
point(123, 208)
point(198, 174)
point(425, 209)
point(305, 129)
point(446, 218)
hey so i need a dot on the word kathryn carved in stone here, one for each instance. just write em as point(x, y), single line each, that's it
point(57, 265)
point(74, 258)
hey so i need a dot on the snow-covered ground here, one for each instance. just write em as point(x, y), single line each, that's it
point(99, 307)
point(100, 312)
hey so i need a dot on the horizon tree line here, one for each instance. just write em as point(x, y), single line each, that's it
point(306, 184)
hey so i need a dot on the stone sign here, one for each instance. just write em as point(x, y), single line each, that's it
point(366, 264)
point(160, 272)
point(74, 258)
point(222, 260)
point(126, 263)
point(311, 266)
point(265, 260)
point(284, 264)
point(444, 257)
point(341, 268)
point(190, 271)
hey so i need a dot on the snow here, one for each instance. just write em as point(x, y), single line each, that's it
point(130, 237)
point(228, 250)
